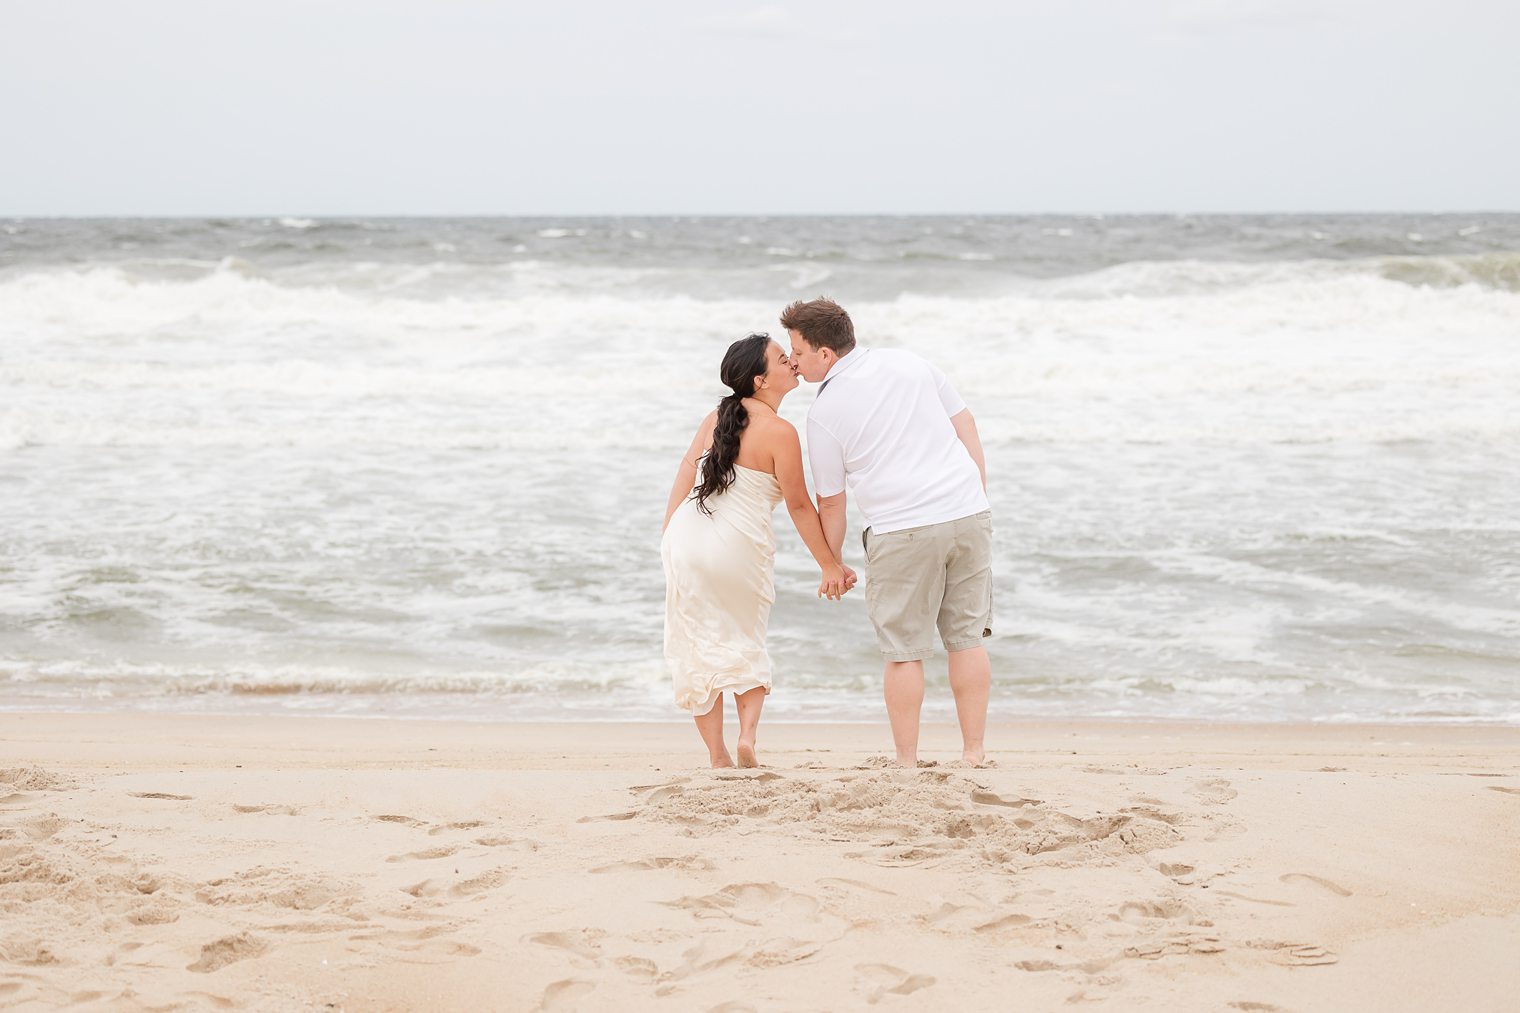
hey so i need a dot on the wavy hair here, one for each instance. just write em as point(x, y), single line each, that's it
point(744, 360)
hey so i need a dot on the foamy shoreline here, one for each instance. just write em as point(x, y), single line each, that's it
point(277, 863)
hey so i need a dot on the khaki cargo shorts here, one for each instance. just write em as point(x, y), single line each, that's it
point(938, 575)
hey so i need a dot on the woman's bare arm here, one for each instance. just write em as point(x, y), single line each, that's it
point(686, 474)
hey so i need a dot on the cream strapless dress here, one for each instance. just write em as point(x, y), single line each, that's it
point(719, 586)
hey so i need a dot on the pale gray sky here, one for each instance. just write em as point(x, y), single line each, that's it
point(168, 107)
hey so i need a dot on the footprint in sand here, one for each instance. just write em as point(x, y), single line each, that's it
point(746, 903)
point(30, 952)
point(609, 818)
point(1150, 812)
point(945, 910)
point(218, 1001)
point(121, 951)
point(279, 810)
point(422, 856)
point(1335, 888)
point(1305, 956)
point(227, 950)
point(1507, 791)
point(982, 796)
point(639, 967)
point(892, 855)
point(701, 958)
point(582, 944)
point(43, 828)
point(779, 952)
point(1212, 791)
point(856, 884)
point(1206, 946)
point(1005, 922)
point(685, 862)
point(451, 948)
point(157, 915)
point(503, 841)
point(403, 820)
point(1137, 911)
point(564, 994)
point(878, 981)
point(160, 794)
point(465, 825)
point(1254, 900)
point(488, 880)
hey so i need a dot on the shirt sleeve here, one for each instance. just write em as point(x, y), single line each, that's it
point(947, 392)
point(827, 459)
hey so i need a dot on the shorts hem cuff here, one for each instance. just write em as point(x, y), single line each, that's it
point(907, 655)
point(951, 646)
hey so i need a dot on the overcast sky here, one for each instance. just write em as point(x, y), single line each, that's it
point(195, 107)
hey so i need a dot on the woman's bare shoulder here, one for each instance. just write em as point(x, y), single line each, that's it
point(771, 423)
point(779, 428)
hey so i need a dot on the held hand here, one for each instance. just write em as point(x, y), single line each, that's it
point(849, 577)
point(831, 585)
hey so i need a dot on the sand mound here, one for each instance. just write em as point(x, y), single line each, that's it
point(34, 779)
point(910, 815)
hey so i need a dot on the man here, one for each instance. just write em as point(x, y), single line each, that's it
point(889, 429)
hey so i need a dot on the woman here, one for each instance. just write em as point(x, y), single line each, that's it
point(719, 551)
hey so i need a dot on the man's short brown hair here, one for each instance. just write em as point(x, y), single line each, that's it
point(823, 323)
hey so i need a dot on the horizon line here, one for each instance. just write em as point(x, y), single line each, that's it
point(753, 214)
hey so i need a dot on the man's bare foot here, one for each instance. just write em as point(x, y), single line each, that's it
point(911, 762)
point(747, 755)
point(722, 760)
point(974, 759)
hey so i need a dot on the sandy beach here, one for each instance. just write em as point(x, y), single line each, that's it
point(185, 862)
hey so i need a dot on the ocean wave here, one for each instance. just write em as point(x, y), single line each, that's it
point(98, 357)
point(1499, 271)
point(957, 275)
point(1228, 295)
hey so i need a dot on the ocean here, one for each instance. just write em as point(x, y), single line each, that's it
point(1260, 468)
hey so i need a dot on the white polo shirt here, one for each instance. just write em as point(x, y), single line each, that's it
point(881, 427)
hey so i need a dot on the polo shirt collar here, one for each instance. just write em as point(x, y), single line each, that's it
point(844, 362)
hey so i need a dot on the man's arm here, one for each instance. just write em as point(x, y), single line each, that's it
point(831, 516)
point(827, 458)
point(965, 431)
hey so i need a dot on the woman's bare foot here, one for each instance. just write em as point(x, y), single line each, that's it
point(722, 760)
point(747, 754)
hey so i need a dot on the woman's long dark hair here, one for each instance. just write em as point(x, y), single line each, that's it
point(744, 360)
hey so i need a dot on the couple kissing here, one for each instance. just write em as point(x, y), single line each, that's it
point(886, 428)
